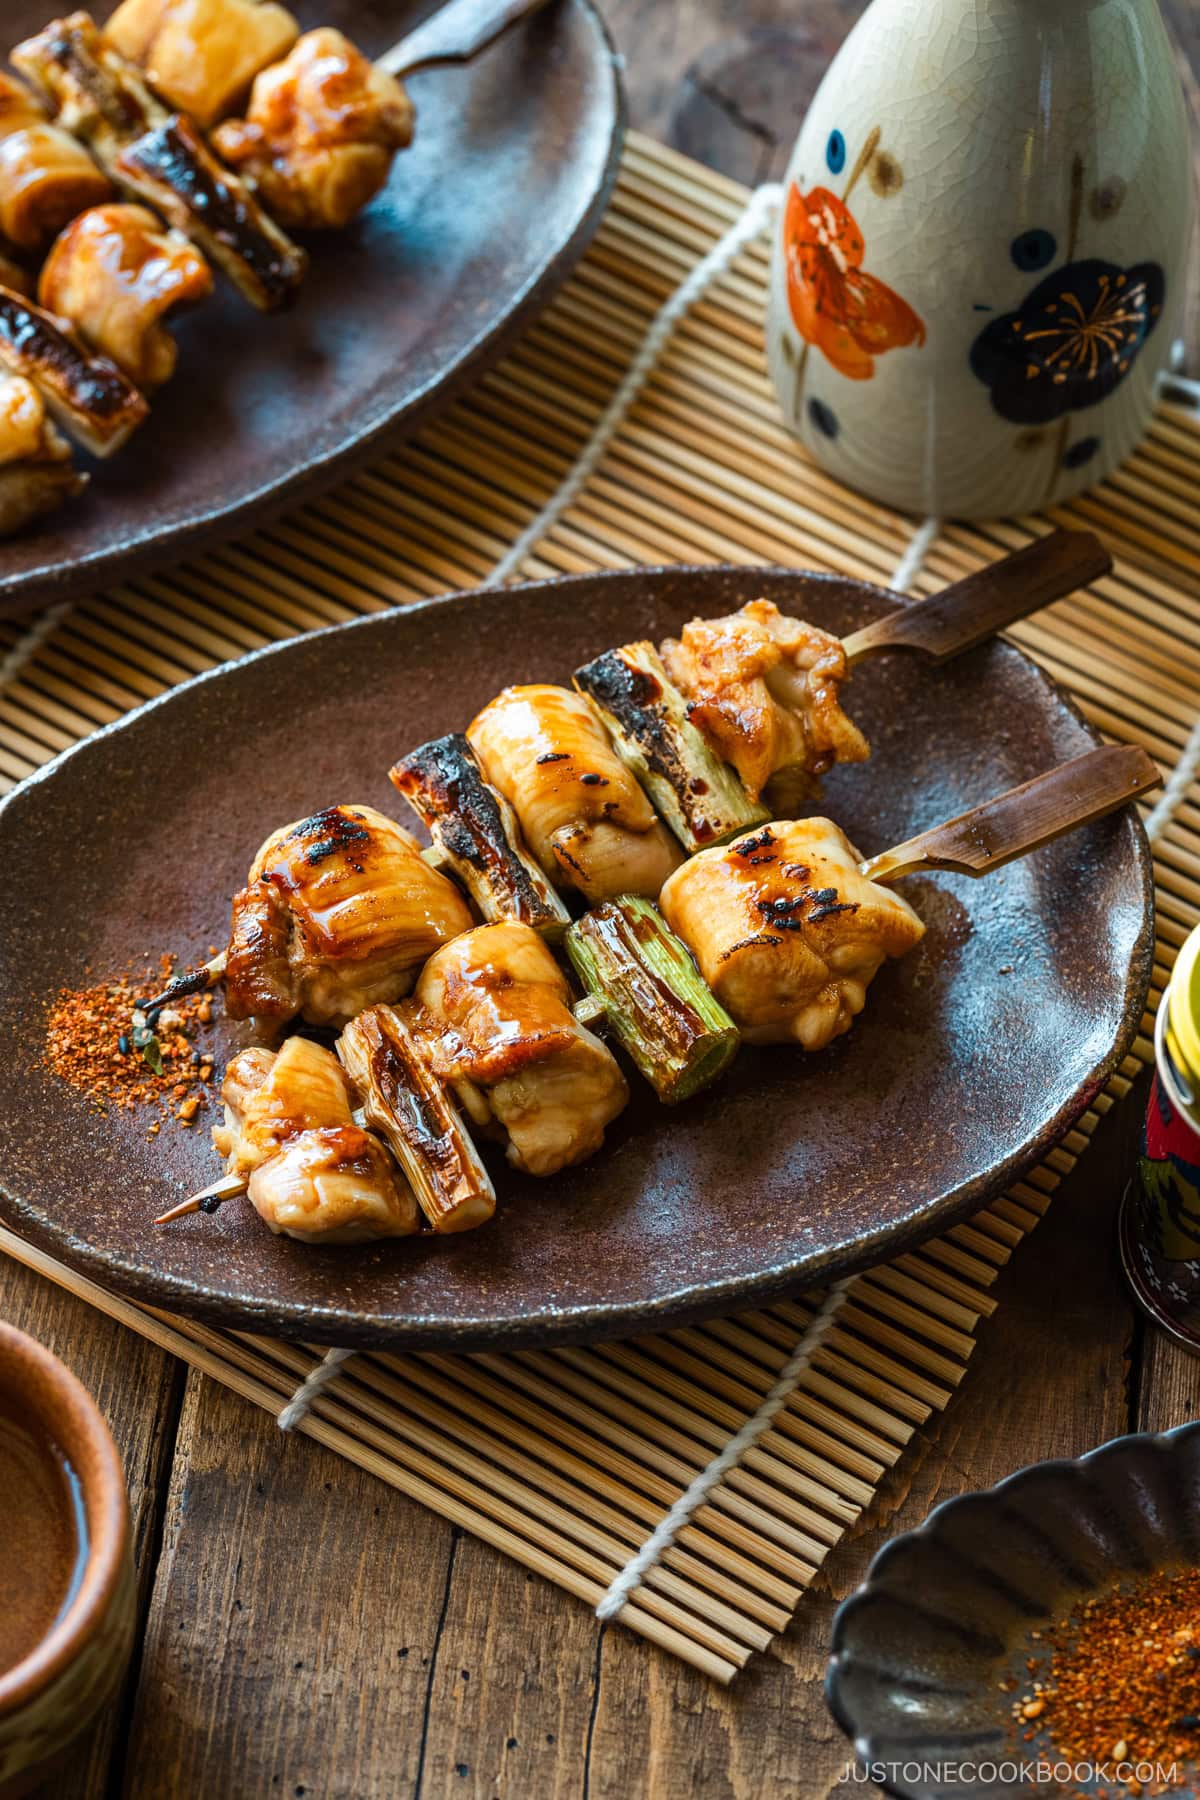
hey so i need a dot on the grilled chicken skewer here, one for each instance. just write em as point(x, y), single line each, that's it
point(159, 157)
point(750, 703)
point(293, 1145)
point(789, 925)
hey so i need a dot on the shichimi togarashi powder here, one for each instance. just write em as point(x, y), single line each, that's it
point(1122, 1684)
point(89, 1043)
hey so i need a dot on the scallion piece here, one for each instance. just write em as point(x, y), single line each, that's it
point(657, 1004)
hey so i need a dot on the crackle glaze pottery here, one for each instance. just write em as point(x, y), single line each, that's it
point(980, 259)
point(74, 1666)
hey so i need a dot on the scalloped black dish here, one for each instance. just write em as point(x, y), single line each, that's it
point(944, 1615)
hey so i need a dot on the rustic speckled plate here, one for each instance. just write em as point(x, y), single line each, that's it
point(511, 168)
point(975, 1053)
point(945, 1613)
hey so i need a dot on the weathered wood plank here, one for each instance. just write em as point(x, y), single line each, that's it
point(294, 1625)
point(138, 1390)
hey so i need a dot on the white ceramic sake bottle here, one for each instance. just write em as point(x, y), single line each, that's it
point(980, 263)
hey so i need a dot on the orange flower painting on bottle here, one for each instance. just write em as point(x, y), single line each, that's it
point(849, 316)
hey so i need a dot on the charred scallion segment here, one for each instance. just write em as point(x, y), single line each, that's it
point(656, 1002)
point(478, 831)
point(700, 797)
point(406, 1103)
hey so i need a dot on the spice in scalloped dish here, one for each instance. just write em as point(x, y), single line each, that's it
point(1121, 1683)
point(91, 1043)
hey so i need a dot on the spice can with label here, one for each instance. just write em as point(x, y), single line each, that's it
point(1160, 1212)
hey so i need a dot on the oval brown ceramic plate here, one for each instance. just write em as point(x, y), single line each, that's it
point(513, 162)
point(972, 1057)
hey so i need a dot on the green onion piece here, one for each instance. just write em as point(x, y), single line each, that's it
point(404, 1099)
point(700, 797)
point(657, 1003)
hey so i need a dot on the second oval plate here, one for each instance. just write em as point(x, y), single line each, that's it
point(973, 1055)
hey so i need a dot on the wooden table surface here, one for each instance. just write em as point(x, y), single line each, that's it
point(308, 1632)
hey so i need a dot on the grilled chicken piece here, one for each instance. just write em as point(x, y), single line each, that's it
point(495, 1009)
point(320, 133)
point(764, 691)
point(314, 1174)
point(160, 158)
point(582, 812)
point(338, 913)
point(201, 55)
point(36, 471)
point(87, 395)
point(117, 275)
point(46, 178)
point(787, 931)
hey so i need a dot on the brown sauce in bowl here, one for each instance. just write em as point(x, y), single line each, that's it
point(43, 1534)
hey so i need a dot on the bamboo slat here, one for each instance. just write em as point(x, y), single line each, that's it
point(566, 1460)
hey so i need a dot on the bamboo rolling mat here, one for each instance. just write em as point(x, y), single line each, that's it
point(566, 1460)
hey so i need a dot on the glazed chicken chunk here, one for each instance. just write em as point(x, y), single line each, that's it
point(764, 690)
point(787, 931)
point(202, 55)
point(46, 177)
point(37, 473)
point(314, 1174)
point(338, 913)
point(320, 133)
point(495, 1010)
point(580, 809)
point(116, 276)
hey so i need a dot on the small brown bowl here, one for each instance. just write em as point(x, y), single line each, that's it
point(48, 1698)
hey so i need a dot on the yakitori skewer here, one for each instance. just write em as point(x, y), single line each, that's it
point(789, 925)
point(707, 721)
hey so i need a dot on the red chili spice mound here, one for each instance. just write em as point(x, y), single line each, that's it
point(89, 1043)
point(1123, 1682)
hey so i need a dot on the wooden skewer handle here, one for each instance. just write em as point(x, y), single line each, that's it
point(455, 33)
point(969, 611)
point(1026, 817)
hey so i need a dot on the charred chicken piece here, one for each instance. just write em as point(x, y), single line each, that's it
point(580, 809)
point(495, 1010)
point(764, 690)
point(318, 138)
point(37, 473)
point(201, 55)
point(476, 830)
point(787, 931)
point(160, 158)
point(116, 275)
point(338, 913)
point(87, 395)
point(407, 1102)
point(46, 178)
point(314, 1174)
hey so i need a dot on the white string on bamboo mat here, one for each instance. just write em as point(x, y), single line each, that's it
point(310, 1388)
point(31, 641)
point(694, 1496)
